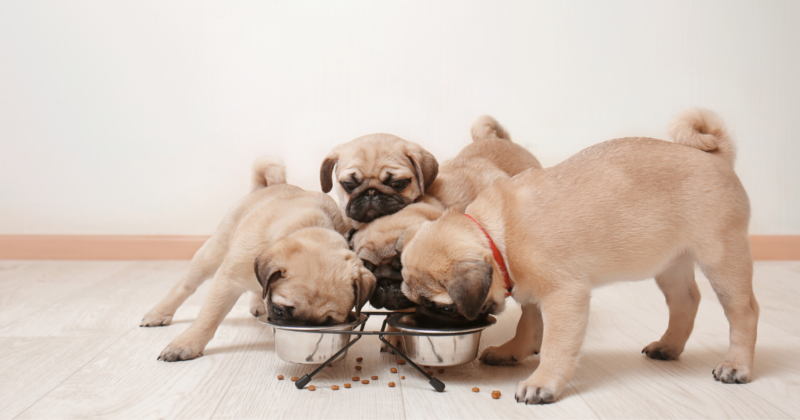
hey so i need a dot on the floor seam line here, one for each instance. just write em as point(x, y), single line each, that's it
point(72, 374)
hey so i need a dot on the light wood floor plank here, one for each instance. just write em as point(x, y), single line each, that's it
point(77, 352)
point(27, 287)
point(31, 367)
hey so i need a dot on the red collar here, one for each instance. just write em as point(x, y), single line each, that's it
point(498, 257)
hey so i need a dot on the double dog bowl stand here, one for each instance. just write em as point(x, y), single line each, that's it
point(435, 383)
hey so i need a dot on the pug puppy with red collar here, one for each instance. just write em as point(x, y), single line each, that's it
point(626, 209)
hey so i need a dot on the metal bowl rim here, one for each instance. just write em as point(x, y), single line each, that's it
point(394, 321)
point(264, 319)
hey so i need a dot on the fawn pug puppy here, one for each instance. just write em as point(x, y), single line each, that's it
point(625, 209)
point(490, 156)
point(284, 245)
point(377, 175)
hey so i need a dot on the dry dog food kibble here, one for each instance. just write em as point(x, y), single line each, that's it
point(347, 385)
point(311, 387)
point(429, 373)
point(358, 359)
point(391, 384)
point(393, 370)
point(280, 377)
point(441, 371)
point(365, 381)
point(496, 395)
point(335, 387)
point(401, 362)
point(294, 378)
point(402, 377)
point(358, 367)
point(476, 389)
point(374, 378)
point(356, 378)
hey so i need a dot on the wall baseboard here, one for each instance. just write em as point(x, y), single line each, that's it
point(78, 247)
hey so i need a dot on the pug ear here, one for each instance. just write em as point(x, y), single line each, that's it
point(470, 286)
point(266, 276)
point(326, 171)
point(426, 165)
point(363, 287)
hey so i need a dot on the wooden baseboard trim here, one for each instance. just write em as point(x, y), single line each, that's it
point(79, 247)
point(775, 247)
point(68, 247)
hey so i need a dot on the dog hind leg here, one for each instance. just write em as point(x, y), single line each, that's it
point(731, 276)
point(683, 297)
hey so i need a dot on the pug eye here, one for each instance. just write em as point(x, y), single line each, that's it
point(348, 186)
point(369, 266)
point(400, 184)
point(449, 309)
point(281, 312)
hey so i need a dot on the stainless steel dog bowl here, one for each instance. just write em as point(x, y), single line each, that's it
point(450, 346)
point(300, 344)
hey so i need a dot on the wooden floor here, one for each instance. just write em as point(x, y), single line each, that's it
point(70, 347)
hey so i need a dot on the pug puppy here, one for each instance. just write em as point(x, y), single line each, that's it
point(377, 175)
point(285, 246)
point(626, 209)
point(490, 156)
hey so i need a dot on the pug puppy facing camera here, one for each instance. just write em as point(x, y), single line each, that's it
point(282, 244)
point(377, 175)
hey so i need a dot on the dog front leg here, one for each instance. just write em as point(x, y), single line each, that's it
point(565, 313)
point(190, 345)
point(526, 342)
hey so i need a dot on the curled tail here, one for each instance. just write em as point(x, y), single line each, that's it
point(487, 127)
point(268, 171)
point(704, 130)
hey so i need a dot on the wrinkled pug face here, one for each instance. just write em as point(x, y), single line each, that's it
point(377, 175)
point(380, 244)
point(449, 270)
point(312, 277)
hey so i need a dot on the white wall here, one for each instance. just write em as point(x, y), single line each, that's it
point(143, 117)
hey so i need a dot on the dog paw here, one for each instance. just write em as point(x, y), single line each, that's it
point(730, 374)
point(660, 351)
point(530, 393)
point(498, 356)
point(155, 319)
point(394, 340)
point(176, 352)
point(257, 311)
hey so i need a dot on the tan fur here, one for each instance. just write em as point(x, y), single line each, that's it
point(491, 156)
point(282, 229)
point(626, 209)
point(373, 159)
